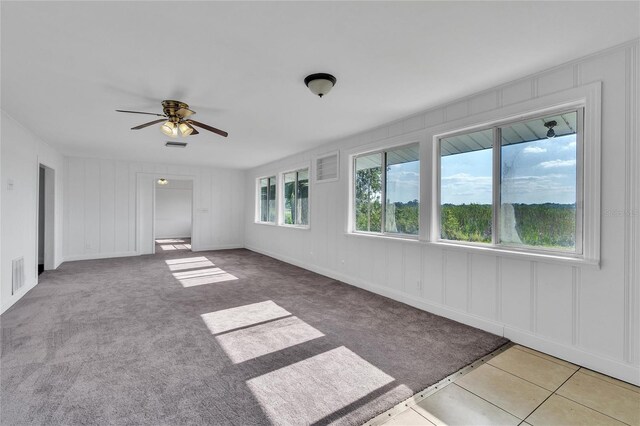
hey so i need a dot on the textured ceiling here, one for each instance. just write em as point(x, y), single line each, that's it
point(66, 66)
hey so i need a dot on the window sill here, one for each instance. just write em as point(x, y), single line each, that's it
point(523, 255)
point(400, 238)
point(301, 227)
point(265, 223)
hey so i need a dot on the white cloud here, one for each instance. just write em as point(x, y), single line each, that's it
point(553, 164)
point(534, 150)
point(466, 177)
point(570, 146)
point(465, 188)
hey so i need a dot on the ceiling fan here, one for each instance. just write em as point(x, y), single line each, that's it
point(176, 120)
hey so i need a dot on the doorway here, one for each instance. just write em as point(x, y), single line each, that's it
point(173, 213)
point(45, 222)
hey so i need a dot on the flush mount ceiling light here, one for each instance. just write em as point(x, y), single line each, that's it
point(162, 181)
point(550, 125)
point(320, 84)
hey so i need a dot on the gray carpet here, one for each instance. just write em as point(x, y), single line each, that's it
point(174, 339)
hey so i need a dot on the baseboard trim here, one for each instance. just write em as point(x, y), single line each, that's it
point(93, 256)
point(614, 368)
point(442, 310)
point(11, 300)
point(577, 355)
point(217, 247)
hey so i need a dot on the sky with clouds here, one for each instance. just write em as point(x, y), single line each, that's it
point(403, 182)
point(542, 171)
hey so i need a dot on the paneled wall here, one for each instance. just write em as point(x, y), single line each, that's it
point(100, 206)
point(584, 314)
point(21, 154)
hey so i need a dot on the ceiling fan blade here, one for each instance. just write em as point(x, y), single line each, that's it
point(195, 132)
point(209, 128)
point(140, 112)
point(142, 126)
point(184, 112)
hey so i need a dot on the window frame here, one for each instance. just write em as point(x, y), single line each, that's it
point(258, 198)
point(588, 96)
point(496, 183)
point(383, 192)
point(280, 190)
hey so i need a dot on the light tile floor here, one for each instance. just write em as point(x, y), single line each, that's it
point(521, 386)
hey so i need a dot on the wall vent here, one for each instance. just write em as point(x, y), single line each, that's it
point(172, 144)
point(327, 168)
point(17, 275)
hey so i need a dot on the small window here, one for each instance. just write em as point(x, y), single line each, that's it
point(296, 197)
point(267, 204)
point(392, 176)
point(514, 185)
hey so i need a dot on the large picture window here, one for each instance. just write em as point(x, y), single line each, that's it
point(267, 205)
point(296, 197)
point(387, 191)
point(517, 184)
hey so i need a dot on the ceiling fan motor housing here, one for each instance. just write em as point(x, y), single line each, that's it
point(171, 109)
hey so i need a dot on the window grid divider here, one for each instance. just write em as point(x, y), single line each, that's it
point(495, 186)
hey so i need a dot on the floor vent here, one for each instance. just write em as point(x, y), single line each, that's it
point(327, 168)
point(172, 144)
point(17, 275)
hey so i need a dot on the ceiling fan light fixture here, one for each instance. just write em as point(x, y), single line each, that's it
point(174, 121)
point(320, 84)
point(169, 128)
point(185, 129)
point(162, 181)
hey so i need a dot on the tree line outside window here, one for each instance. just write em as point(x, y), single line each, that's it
point(393, 176)
point(295, 198)
point(515, 185)
point(268, 199)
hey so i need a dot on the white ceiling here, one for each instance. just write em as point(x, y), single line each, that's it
point(66, 66)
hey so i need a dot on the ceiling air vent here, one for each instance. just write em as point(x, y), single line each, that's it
point(172, 144)
point(327, 168)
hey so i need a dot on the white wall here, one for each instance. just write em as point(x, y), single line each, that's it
point(580, 313)
point(22, 152)
point(100, 206)
point(173, 209)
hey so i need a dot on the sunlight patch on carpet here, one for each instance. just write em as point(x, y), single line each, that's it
point(170, 241)
point(167, 247)
point(310, 390)
point(266, 338)
point(203, 276)
point(188, 263)
point(243, 316)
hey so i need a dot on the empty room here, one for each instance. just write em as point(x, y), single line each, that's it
point(310, 213)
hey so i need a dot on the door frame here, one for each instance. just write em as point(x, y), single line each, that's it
point(50, 216)
point(144, 178)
